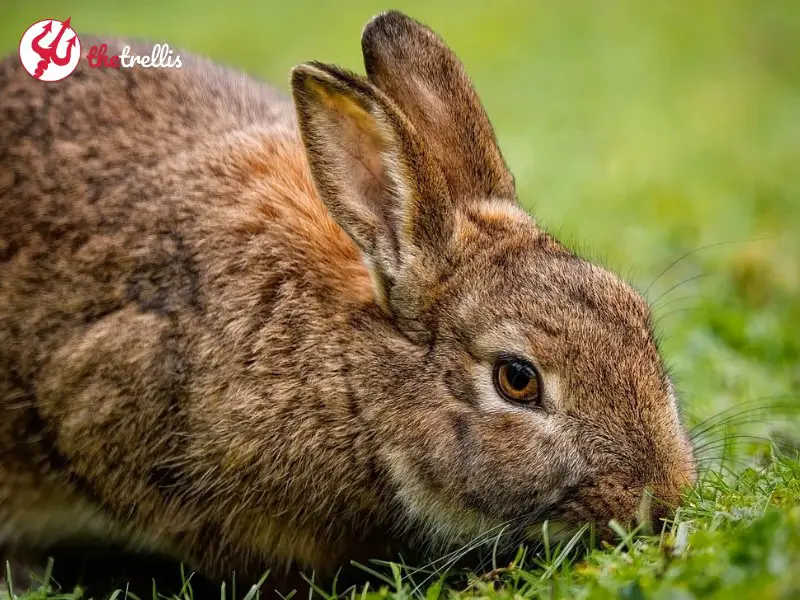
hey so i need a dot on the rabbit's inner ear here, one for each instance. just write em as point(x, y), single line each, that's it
point(356, 160)
point(363, 145)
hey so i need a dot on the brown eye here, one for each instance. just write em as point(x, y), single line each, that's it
point(516, 380)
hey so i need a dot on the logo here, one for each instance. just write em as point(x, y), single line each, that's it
point(159, 58)
point(50, 50)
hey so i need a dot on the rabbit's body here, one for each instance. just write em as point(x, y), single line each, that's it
point(161, 237)
point(247, 339)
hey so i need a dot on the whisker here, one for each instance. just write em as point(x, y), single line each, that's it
point(722, 459)
point(466, 548)
point(689, 297)
point(733, 440)
point(660, 318)
point(736, 422)
point(515, 539)
point(517, 523)
point(459, 554)
point(695, 251)
point(654, 303)
point(721, 463)
point(762, 404)
point(742, 424)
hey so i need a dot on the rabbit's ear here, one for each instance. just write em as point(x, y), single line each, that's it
point(369, 170)
point(416, 69)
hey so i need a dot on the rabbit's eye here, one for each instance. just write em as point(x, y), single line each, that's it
point(516, 380)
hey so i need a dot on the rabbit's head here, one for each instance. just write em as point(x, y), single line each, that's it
point(538, 391)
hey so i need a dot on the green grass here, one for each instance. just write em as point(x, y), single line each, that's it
point(641, 132)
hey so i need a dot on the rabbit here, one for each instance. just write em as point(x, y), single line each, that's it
point(248, 333)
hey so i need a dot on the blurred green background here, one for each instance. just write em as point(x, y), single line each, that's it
point(638, 130)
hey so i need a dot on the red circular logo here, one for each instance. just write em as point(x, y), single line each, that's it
point(50, 50)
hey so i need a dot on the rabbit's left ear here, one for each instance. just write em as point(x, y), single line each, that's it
point(416, 69)
point(372, 174)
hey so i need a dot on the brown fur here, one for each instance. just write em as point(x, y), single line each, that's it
point(212, 351)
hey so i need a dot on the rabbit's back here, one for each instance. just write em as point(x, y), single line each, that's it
point(101, 177)
point(149, 221)
point(101, 172)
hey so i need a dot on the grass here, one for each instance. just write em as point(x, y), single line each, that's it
point(646, 132)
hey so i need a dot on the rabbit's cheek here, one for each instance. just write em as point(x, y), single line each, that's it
point(483, 470)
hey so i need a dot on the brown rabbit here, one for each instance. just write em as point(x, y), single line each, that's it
point(248, 337)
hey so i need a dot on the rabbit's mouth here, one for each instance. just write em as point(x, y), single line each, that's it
point(644, 507)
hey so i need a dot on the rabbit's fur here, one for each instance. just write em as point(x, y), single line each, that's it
point(246, 338)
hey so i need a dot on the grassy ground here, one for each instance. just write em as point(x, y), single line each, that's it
point(642, 132)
